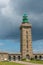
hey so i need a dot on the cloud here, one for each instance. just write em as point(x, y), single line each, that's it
point(35, 14)
point(3, 3)
point(11, 18)
point(35, 6)
point(1, 44)
point(37, 46)
point(11, 12)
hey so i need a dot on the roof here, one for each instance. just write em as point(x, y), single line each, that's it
point(3, 53)
point(25, 18)
point(37, 53)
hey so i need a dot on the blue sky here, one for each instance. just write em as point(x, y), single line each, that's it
point(11, 12)
point(10, 46)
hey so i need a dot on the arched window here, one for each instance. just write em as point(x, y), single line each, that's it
point(40, 57)
point(18, 57)
point(9, 58)
point(14, 58)
point(35, 57)
point(27, 56)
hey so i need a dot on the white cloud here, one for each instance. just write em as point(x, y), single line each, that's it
point(1, 44)
point(4, 2)
point(6, 10)
point(4, 7)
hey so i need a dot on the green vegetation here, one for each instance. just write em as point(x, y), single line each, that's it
point(10, 63)
point(36, 61)
point(33, 61)
point(24, 59)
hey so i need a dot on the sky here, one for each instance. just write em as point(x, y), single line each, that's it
point(11, 12)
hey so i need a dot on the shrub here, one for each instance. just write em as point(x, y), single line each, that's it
point(24, 59)
point(32, 59)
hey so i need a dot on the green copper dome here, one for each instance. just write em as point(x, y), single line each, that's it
point(25, 18)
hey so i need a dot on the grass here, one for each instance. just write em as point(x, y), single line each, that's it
point(10, 63)
point(36, 61)
point(13, 63)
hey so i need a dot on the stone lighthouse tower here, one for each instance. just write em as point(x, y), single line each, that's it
point(26, 38)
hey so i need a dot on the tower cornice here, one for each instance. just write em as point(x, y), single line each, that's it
point(25, 25)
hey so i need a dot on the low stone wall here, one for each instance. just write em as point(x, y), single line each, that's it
point(38, 56)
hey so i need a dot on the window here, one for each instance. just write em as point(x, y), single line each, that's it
point(27, 50)
point(14, 58)
point(27, 38)
point(36, 57)
point(27, 35)
point(40, 57)
point(9, 58)
point(27, 43)
point(18, 57)
point(26, 32)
